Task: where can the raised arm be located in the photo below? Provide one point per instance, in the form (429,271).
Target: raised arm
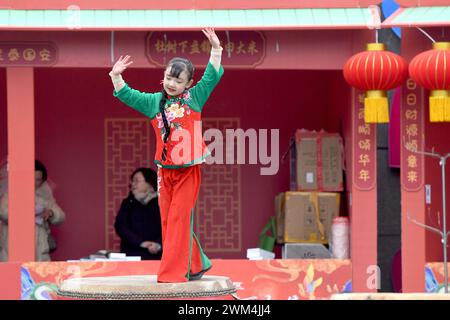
(216,50)
(146,103)
(213,72)
(116,72)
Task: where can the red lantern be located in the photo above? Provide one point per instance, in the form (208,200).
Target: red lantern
(431,70)
(375,71)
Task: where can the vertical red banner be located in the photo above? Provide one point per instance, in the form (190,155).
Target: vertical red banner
(365,150)
(412,138)
(412,180)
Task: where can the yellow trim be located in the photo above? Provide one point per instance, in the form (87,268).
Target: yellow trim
(375,47)
(441,46)
(375,94)
(440,93)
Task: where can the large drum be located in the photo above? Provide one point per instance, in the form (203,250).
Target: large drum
(145,287)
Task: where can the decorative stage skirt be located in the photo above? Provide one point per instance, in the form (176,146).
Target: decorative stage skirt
(390,296)
(145,287)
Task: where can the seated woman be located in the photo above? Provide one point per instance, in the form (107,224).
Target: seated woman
(47,212)
(138,222)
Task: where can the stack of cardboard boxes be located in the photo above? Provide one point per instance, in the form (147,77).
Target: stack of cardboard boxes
(305,214)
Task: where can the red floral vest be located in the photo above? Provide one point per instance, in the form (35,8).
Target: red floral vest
(185,146)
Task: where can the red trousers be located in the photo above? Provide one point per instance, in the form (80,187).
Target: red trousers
(182,254)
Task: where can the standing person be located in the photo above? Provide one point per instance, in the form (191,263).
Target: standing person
(176,112)
(47,212)
(138,222)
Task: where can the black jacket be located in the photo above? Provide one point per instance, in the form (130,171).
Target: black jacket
(136,223)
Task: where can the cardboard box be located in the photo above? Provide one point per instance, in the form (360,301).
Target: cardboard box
(307,164)
(305,251)
(308,216)
(331,162)
(316,161)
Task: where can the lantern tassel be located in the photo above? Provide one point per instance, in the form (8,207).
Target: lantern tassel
(376,107)
(439,106)
(437,109)
(447,109)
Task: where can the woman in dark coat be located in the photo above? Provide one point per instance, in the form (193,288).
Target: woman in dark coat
(138,222)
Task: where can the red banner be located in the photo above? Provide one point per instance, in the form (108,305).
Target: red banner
(27,54)
(412,136)
(365,146)
(240,49)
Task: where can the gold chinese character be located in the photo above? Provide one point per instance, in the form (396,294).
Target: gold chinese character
(412,176)
(183,45)
(364,175)
(411,145)
(194,47)
(411,99)
(29,54)
(229,47)
(411,130)
(364,159)
(252,48)
(364,144)
(160,46)
(364,129)
(205,46)
(171,46)
(410,84)
(412,161)
(45,55)
(361,98)
(361,113)
(411,114)
(240,48)
(1,54)
(13,54)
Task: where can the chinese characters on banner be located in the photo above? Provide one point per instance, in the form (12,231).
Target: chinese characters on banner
(412,137)
(243,48)
(27,54)
(365,148)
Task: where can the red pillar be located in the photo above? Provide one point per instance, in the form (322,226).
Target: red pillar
(363,206)
(20,100)
(413,195)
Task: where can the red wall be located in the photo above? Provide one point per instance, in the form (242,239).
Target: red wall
(414,42)
(339,119)
(436,138)
(71,105)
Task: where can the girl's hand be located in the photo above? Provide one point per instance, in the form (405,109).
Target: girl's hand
(212,37)
(121,65)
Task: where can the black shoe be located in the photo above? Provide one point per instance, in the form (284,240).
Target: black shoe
(198,275)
